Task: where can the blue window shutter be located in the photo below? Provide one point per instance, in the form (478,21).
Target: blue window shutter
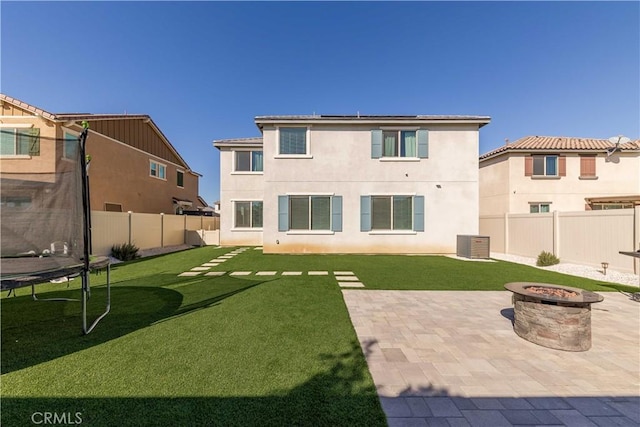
(423,143)
(283,213)
(336,213)
(365,213)
(376,143)
(418,213)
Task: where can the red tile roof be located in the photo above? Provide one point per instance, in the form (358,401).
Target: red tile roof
(560,143)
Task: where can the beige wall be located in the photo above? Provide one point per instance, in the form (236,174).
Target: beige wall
(120,174)
(504,187)
(50,150)
(146,231)
(587,238)
(340,164)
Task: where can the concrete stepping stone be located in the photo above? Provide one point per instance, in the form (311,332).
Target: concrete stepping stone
(292,273)
(226,256)
(347,279)
(210,264)
(200,268)
(266,273)
(259,248)
(318,273)
(218,260)
(215,273)
(343,273)
(351,284)
(189,273)
(239,273)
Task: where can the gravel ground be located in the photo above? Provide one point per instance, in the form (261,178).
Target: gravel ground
(576,270)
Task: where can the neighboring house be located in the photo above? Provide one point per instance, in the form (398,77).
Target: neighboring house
(133,165)
(351,184)
(544,174)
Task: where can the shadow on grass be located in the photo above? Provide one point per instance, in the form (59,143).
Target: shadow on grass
(341,395)
(34,332)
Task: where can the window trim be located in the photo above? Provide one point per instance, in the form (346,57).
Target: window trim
(152,162)
(234,163)
(335,214)
(306,155)
(66,131)
(539,204)
(179,171)
(250,201)
(544,163)
(16,127)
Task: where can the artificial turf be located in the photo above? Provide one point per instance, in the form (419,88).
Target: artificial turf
(228,350)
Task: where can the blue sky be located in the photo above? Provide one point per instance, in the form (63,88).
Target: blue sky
(204,70)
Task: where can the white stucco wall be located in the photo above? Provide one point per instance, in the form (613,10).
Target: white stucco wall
(237,186)
(340,163)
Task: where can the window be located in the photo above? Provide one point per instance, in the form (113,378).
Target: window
(20,142)
(392,213)
(545,165)
(311,213)
(180,178)
(248,161)
(539,207)
(399,143)
(113,207)
(248,214)
(588,167)
(157,170)
(18,202)
(607,206)
(293,141)
(70,148)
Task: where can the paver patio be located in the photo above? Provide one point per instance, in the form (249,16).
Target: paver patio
(452,358)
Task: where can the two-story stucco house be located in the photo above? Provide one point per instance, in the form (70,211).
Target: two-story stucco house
(133,165)
(351,184)
(544,174)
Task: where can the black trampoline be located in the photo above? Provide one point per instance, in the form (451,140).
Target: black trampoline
(45,224)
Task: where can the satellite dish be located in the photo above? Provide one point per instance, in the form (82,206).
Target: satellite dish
(619,139)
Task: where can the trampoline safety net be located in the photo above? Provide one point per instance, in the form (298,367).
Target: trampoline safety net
(41,205)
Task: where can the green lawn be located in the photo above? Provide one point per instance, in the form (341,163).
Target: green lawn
(243,350)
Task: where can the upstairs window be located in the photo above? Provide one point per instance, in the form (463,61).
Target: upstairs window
(20,141)
(157,170)
(293,141)
(70,148)
(588,166)
(545,166)
(248,161)
(180,179)
(398,144)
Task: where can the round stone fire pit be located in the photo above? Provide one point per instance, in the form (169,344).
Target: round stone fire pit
(553,316)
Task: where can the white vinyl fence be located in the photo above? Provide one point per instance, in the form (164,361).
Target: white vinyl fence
(587,238)
(148,231)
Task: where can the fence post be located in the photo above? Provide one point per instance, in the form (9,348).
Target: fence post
(130,213)
(556,233)
(506,233)
(161,229)
(636,237)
